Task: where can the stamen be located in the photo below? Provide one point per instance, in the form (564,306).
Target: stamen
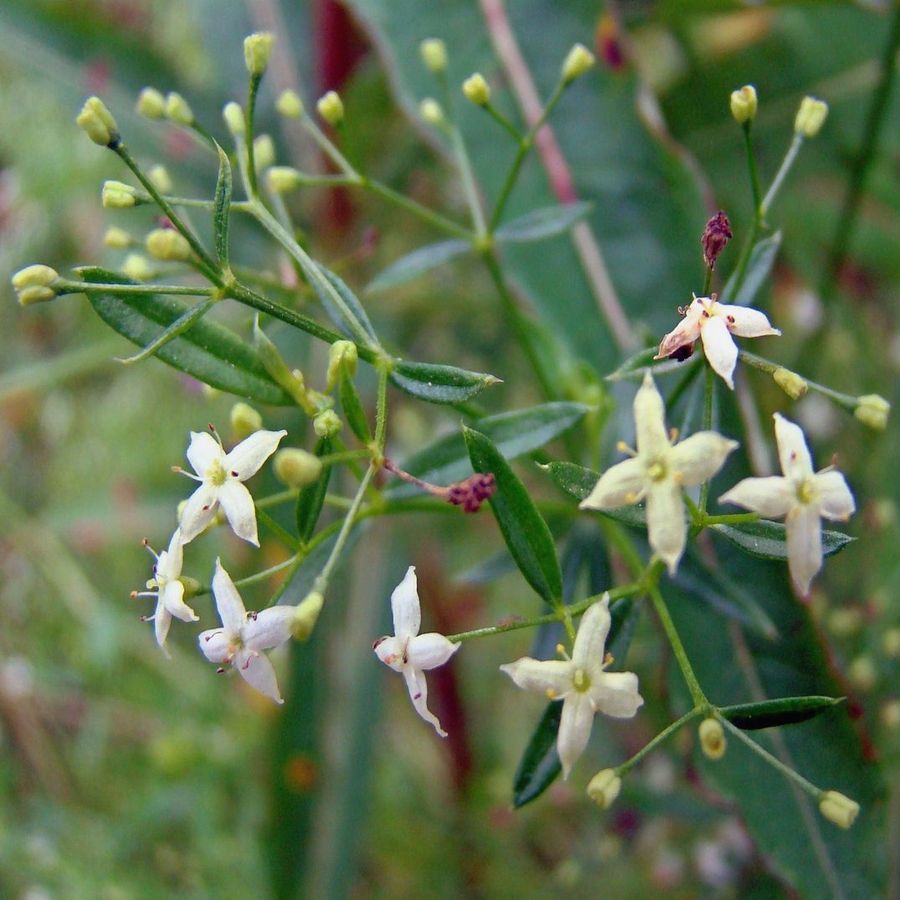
(551,694)
(622,447)
(220,670)
(673,434)
(234,474)
(145,543)
(215,434)
(179,471)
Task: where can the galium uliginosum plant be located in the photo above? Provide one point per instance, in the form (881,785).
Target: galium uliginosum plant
(661,487)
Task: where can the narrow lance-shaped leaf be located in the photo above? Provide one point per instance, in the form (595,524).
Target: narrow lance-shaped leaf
(579,482)
(540,224)
(420,261)
(783,711)
(768,540)
(539,766)
(222,207)
(312,497)
(353,409)
(759,267)
(437,383)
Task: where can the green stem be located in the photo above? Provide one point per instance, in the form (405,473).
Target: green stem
(330,150)
(468,180)
(84,287)
(287,539)
(751,164)
(664,735)
(780,175)
(504,123)
(417,209)
(764,365)
(252,89)
(708,395)
(381,410)
(659,604)
(182,324)
(730,519)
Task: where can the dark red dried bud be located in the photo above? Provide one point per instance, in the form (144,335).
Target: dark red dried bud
(715,236)
(608,42)
(680,354)
(472,492)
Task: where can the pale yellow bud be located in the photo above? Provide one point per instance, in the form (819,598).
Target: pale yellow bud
(234,118)
(327,423)
(295,467)
(331,108)
(810,117)
(283,179)
(712,738)
(844,622)
(257,50)
(137,267)
(794,385)
(476,90)
(289,104)
(744,104)
(37,275)
(245,420)
(863,674)
(30,295)
(342,357)
(168,244)
(434,54)
(578,61)
(604,787)
(838,808)
(431,111)
(263,152)
(890,643)
(117,238)
(307,615)
(151,103)
(178,110)
(161,179)
(97,122)
(890,714)
(118,195)
(872,410)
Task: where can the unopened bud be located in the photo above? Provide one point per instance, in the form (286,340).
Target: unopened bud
(234,118)
(712,738)
(863,674)
(604,787)
(178,110)
(476,90)
(257,50)
(890,643)
(331,108)
(434,54)
(578,61)
(263,152)
(168,244)
(472,491)
(137,267)
(431,111)
(307,615)
(283,179)
(296,468)
(715,237)
(117,238)
(872,410)
(151,103)
(118,195)
(33,284)
(97,123)
(245,420)
(845,621)
(744,104)
(810,117)
(342,357)
(289,104)
(838,808)
(794,385)
(161,179)
(327,423)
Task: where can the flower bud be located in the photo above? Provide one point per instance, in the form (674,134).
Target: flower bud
(327,423)
(289,104)
(168,244)
(794,385)
(283,179)
(177,109)
(431,111)
(159,175)
(118,195)
(715,237)
(234,118)
(296,468)
(890,643)
(97,123)
(117,238)
(306,615)
(810,117)
(743,104)
(578,61)
(863,674)
(838,808)
(245,420)
(34,284)
(872,410)
(342,357)
(434,54)
(263,152)
(192,587)
(151,104)
(137,268)
(604,787)
(331,108)
(257,50)
(476,90)
(712,738)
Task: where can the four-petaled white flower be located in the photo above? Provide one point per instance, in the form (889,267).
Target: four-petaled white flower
(166,586)
(802,496)
(221,475)
(244,635)
(658,472)
(409,652)
(581,683)
(715,323)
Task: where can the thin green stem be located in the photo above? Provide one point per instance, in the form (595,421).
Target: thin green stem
(504,123)
(417,209)
(780,175)
(687,671)
(286,538)
(764,365)
(730,519)
(381,410)
(182,324)
(85,287)
(707,282)
(252,90)
(328,147)
(664,735)
(751,164)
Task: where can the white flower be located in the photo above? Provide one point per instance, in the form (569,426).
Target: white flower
(221,474)
(168,589)
(802,496)
(715,322)
(581,683)
(244,634)
(658,472)
(409,652)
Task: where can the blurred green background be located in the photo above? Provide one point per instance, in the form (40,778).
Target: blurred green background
(127,775)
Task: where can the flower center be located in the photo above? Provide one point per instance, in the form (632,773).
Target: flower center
(581,681)
(216,474)
(805,491)
(656,471)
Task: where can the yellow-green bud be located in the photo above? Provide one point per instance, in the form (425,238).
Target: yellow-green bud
(177,109)
(234,118)
(151,103)
(37,275)
(283,179)
(872,410)
(263,152)
(118,195)
(604,787)
(845,621)
(137,267)
(168,244)
(862,674)
(161,179)
(890,643)
(476,89)
(578,61)
(810,117)
(306,615)
(296,468)
(97,122)
(431,111)
(245,420)
(289,104)
(327,423)
(342,357)
(331,108)
(434,54)
(117,238)
(192,587)
(28,296)
(744,104)
(838,808)
(712,738)
(794,385)
(257,50)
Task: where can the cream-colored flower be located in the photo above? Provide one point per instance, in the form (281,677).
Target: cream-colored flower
(658,472)
(802,496)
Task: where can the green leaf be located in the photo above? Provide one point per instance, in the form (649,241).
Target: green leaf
(209,352)
(312,497)
(768,539)
(513,433)
(539,766)
(540,224)
(526,533)
(334,284)
(635,363)
(353,409)
(417,263)
(439,384)
(579,482)
(759,267)
(222,207)
(772,713)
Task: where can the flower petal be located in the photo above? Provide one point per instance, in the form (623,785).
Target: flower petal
(719,348)
(392,652)
(170,562)
(796,463)
(591,638)
(271,628)
(237,504)
(685,332)
(699,456)
(215,645)
(162,620)
(771,497)
(405,606)
(172,598)
(203,451)
(666,527)
(418,693)
(247,457)
(650,420)
(552,677)
(430,650)
(574,729)
(834,497)
(198,511)
(228,601)
(620,485)
(804,545)
(616,694)
(258,672)
(745,322)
